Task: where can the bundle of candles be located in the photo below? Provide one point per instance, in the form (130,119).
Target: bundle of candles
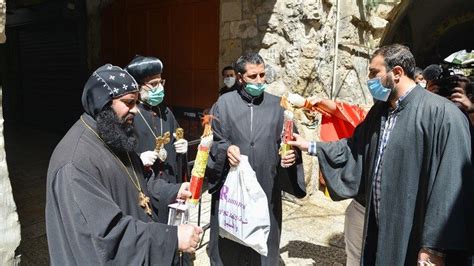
(288,124)
(199,168)
(287,134)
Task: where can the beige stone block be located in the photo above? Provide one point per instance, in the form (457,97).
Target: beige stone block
(230,50)
(225,31)
(3,6)
(262,21)
(350,8)
(377,22)
(277,88)
(310,50)
(273,54)
(294,30)
(273,22)
(306,67)
(270,39)
(243,29)
(383,10)
(231,11)
(257,6)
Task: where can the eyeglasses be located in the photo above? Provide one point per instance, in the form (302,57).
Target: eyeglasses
(155,83)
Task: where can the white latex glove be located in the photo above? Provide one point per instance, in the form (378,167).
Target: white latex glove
(148,157)
(296,99)
(181,146)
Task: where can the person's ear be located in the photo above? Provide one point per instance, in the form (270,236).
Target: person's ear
(240,77)
(398,72)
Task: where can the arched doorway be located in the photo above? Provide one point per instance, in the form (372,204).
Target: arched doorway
(432,32)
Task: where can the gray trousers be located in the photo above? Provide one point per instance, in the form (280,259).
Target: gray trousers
(353,231)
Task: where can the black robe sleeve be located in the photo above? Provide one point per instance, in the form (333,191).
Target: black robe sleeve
(341,165)
(217,165)
(162,194)
(182,172)
(89,210)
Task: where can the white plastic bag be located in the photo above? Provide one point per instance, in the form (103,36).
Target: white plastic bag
(243,208)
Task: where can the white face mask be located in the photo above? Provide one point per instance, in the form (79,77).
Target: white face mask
(422,84)
(229,82)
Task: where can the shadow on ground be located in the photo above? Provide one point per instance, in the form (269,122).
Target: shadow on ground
(28,151)
(320,255)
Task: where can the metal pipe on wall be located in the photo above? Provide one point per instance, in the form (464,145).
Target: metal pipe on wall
(336,48)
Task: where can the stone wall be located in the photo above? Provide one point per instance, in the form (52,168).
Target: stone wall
(296,39)
(9,223)
(3,8)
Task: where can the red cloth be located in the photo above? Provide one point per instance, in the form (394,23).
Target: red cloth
(339,125)
(342,123)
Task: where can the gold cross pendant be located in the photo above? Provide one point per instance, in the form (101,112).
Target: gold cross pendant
(162,140)
(144,202)
(179,133)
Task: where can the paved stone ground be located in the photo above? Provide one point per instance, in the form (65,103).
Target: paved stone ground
(312,229)
(311,235)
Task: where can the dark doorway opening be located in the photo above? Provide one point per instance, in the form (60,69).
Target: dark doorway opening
(42,72)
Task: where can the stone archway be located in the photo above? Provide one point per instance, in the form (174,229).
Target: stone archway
(432,33)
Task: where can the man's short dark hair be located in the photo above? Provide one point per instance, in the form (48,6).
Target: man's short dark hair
(432,72)
(227,68)
(418,71)
(397,55)
(248,58)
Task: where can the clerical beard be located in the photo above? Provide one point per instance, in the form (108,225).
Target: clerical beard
(144,95)
(115,132)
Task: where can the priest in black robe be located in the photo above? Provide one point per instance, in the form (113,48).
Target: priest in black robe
(249,121)
(100,208)
(155,120)
(410,163)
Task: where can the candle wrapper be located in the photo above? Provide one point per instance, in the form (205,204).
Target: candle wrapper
(287,133)
(200,163)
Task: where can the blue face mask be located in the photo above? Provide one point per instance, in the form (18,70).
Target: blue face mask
(155,95)
(255,89)
(378,91)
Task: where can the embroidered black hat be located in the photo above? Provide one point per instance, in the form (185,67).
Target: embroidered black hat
(105,84)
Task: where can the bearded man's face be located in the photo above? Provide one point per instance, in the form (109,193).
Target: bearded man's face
(118,133)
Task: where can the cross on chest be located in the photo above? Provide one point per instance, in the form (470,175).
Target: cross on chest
(162,140)
(144,202)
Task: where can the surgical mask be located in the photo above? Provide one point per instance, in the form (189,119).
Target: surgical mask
(255,89)
(155,95)
(422,84)
(378,91)
(229,82)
